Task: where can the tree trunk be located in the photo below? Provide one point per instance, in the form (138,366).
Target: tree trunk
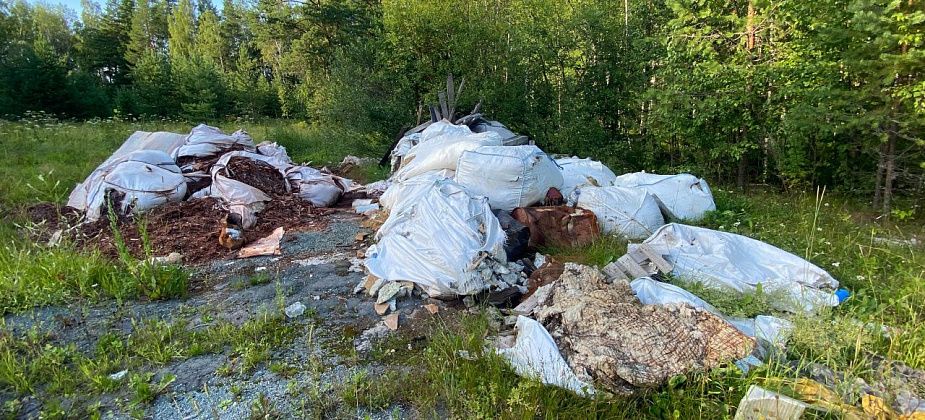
(889,172)
(741,176)
(878,183)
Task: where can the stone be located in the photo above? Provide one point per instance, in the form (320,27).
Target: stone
(118,376)
(295,310)
(391,321)
(382,308)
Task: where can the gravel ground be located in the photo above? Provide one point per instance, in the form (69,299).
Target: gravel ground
(318,269)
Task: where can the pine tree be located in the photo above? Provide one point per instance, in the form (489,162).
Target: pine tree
(209,41)
(141,36)
(181,27)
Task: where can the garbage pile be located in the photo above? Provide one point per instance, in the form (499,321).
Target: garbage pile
(469,203)
(206,184)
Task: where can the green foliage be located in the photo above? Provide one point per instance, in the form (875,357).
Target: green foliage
(797,94)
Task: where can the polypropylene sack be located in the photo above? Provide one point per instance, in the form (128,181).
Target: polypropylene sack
(435,240)
(738,263)
(316,187)
(146,178)
(535,355)
(139,140)
(241,198)
(440,147)
(629,212)
(510,176)
(204,141)
(401,192)
(682,197)
(578,173)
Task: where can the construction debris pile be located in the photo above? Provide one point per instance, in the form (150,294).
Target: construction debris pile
(468,204)
(205,195)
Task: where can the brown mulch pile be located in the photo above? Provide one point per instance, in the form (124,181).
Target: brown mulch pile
(52,216)
(258,174)
(192,227)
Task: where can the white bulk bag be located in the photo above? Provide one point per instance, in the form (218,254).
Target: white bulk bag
(577,173)
(434,241)
(629,212)
(682,197)
(409,190)
(241,198)
(276,151)
(440,146)
(147,178)
(204,141)
(510,176)
(316,187)
(139,140)
(738,263)
(535,355)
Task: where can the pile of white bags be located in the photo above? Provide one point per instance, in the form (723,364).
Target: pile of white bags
(139,169)
(629,212)
(145,171)
(682,196)
(739,264)
(578,173)
(440,146)
(434,239)
(510,176)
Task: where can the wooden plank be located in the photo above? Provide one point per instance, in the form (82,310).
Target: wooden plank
(450,96)
(663,265)
(614,271)
(631,267)
(444,109)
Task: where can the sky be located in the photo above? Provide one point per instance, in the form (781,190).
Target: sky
(74,5)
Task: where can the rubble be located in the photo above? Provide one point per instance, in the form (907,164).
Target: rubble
(608,337)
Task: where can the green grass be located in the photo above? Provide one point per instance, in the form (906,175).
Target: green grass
(46,158)
(33,363)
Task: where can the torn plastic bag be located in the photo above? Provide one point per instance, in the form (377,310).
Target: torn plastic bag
(768,328)
(139,140)
(436,240)
(578,173)
(408,191)
(314,186)
(535,355)
(205,141)
(510,176)
(141,180)
(630,212)
(738,263)
(681,197)
(440,147)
